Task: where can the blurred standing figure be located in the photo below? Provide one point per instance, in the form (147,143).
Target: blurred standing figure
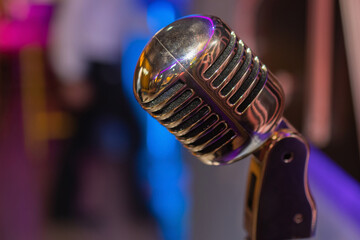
(87,37)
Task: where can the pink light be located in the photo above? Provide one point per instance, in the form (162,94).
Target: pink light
(32,29)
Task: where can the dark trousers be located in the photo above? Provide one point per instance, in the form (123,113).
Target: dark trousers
(109,104)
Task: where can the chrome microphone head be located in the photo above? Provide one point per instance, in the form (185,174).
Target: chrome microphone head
(207,88)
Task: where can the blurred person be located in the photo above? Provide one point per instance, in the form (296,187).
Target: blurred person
(87,37)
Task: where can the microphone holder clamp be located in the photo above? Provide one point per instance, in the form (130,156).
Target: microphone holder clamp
(279,204)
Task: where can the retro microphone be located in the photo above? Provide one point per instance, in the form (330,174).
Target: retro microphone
(200,81)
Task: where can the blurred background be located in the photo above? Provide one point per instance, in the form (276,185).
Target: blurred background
(79,159)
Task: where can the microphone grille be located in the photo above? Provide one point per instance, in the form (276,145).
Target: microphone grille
(237,75)
(193,122)
(208,88)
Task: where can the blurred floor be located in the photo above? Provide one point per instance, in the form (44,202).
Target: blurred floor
(105,211)
(218,195)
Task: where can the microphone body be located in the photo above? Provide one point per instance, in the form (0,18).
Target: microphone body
(209,89)
(200,81)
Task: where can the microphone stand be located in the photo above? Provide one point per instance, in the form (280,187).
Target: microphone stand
(278,202)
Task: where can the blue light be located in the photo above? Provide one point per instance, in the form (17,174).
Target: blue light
(161,169)
(130,56)
(160,143)
(159,15)
(160,165)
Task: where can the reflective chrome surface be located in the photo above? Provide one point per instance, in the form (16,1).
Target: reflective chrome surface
(206,86)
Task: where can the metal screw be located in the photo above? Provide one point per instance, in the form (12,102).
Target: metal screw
(298,218)
(288,157)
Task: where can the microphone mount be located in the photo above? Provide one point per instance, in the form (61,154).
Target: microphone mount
(278,201)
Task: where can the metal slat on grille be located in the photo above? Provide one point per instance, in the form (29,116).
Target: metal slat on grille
(221,59)
(259,85)
(239,74)
(173,105)
(219,143)
(207,136)
(183,112)
(238,57)
(191,121)
(200,128)
(251,78)
(165,95)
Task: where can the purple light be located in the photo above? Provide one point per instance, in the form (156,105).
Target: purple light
(212,29)
(165,70)
(335,184)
